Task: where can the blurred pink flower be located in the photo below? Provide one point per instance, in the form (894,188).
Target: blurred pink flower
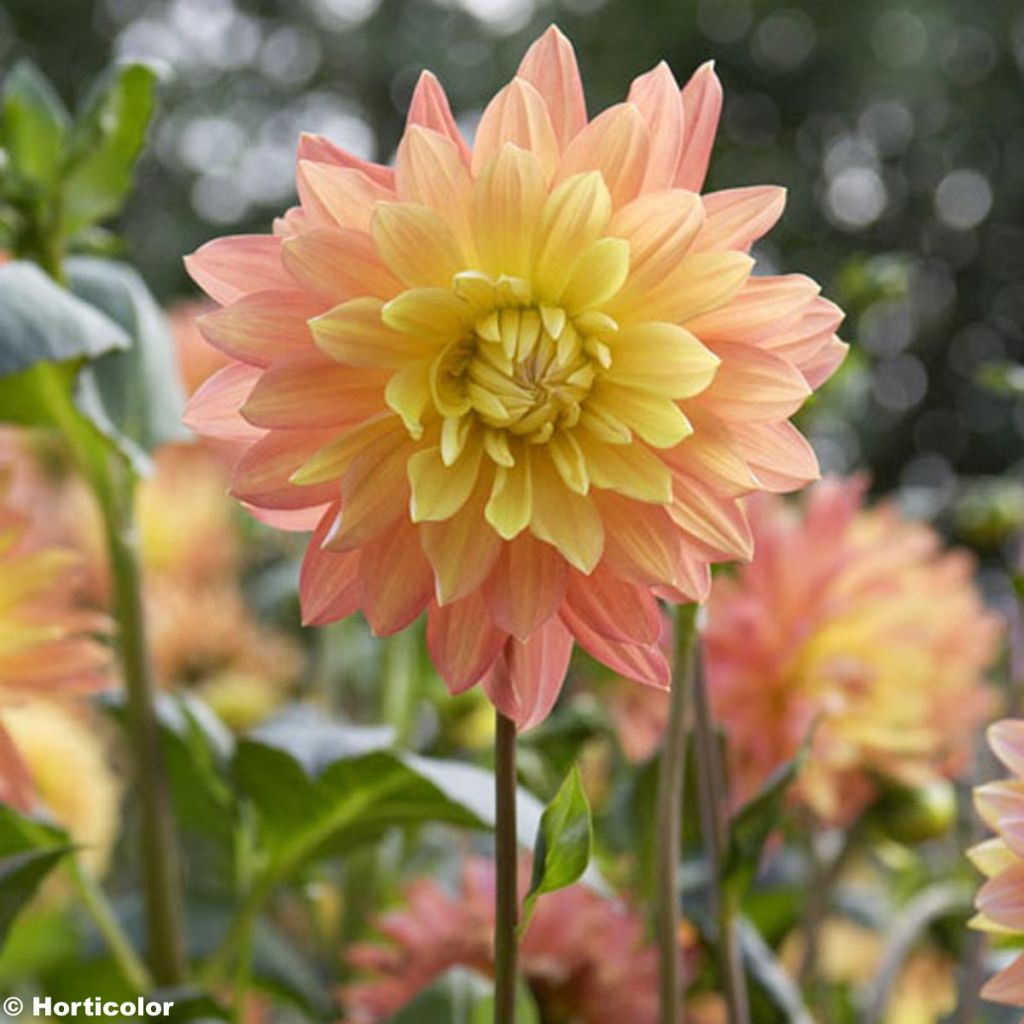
(584,956)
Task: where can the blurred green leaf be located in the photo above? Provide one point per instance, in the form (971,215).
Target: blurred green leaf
(105,143)
(1005,379)
(35,123)
(138,388)
(755,822)
(40,322)
(562,848)
(29,850)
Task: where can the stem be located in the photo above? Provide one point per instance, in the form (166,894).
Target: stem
(715,826)
(95,902)
(670,819)
(159,850)
(399,657)
(506,901)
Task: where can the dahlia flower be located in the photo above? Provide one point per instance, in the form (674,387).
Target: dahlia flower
(584,956)
(45,644)
(854,619)
(1001,859)
(519,385)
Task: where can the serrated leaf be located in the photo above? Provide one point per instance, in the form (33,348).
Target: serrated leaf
(40,322)
(35,123)
(562,848)
(139,388)
(29,850)
(106,143)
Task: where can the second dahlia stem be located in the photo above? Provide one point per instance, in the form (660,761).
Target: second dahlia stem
(506,891)
(715,826)
(670,820)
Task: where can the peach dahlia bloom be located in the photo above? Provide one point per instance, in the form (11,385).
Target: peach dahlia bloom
(855,619)
(1001,859)
(519,385)
(584,956)
(46,646)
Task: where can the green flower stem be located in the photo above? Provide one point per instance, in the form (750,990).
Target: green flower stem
(400,654)
(670,815)
(506,893)
(95,902)
(715,826)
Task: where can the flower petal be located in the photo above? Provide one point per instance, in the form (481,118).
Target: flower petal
(657,419)
(463,641)
(632,470)
(735,218)
(761,308)
(355,334)
(230,267)
(643,663)
(339,196)
(260,326)
(214,409)
(438,490)
(753,386)
(510,504)
(702,106)
(339,264)
(430,171)
(550,66)
(517,115)
(613,607)
(526,586)
(563,518)
(598,274)
(778,454)
(417,245)
(263,475)
(329,581)
(429,108)
(656,96)
(664,359)
(395,579)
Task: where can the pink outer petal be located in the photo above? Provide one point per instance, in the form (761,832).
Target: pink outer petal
(1002,898)
(1006,738)
(644,663)
(396,580)
(16,789)
(463,641)
(526,679)
(550,67)
(291,520)
(526,586)
(702,106)
(322,150)
(1007,987)
(262,475)
(328,582)
(656,95)
(230,267)
(737,217)
(612,607)
(779,455)
(213,410)
(429,107)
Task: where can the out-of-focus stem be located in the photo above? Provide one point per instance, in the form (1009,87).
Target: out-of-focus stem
(158,840)
(669,823)
(399,663)
(95,902)
(506,893)
(715,826)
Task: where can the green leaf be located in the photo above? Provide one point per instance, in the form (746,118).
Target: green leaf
(40,322)
(755,822)
(29,850)
(35,123)
(562,849)
(138,389)
(106,143)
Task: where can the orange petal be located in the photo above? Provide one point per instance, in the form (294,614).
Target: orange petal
(430,171)
(753,386)
(396,580)
(1007,987)
(763,306)
(213,410)
(517,115)
(339,196)
(417,245)
(263,474)
(329,581)
(643,663)
(507,202)
(230,267)
(656,96)
(462,549)
(642,545)
(1002,898)
(702,106)
(550,66)
(614,143)
(355,334)
(526,679)
(713,456)
(1006,738)
(613,607)
(526,586)
(717,524)
(261,326)
(735,218)
(308,390)
(339,264)
(463,642)
(824,363)
(322,151)
(429,108)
